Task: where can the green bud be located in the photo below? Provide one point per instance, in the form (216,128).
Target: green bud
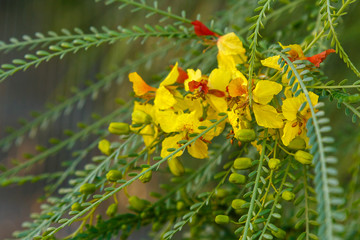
(147,176)
(242,163)
(76,207)
(221,193)
(176,167)
(281,234)
(222,219)
(288,196)
(274,163)
(245,135)
(237,178)
(138,204)
(237,203)
(119,128)
(87,188)
(111,210)
(303,157)
(104,147)
(113,175)
(297,143)
(180,205)
(139,116)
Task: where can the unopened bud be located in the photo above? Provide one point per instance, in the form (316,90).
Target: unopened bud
(222,219)
(104,147)
(274,164)
(138,204)
(111,210)
(147,176)
(281,234)
(176,167)
(221,193)
(87,188)
(237,178)
(303,157)
(237,203)
(297,143)
(288,196)
(245,135)
(76,207)
(242,163)
(119,128)
(113,175)
(141,117)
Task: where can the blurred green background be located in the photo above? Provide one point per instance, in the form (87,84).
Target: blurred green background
(53,80)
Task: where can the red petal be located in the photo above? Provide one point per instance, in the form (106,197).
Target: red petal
(193,85)
(182,75)
(320,57)
(217,93)
(201,30)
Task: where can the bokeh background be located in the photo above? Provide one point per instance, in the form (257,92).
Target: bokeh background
(52,81)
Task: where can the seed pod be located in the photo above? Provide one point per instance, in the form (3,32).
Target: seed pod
(281,234)
(147,176)
(87,188)
(237,178)
(297,143)
(287,195)
(76,207)
(138,204)
(222,219)
(111,210)
(140,117)
(245,135)
(274,163)
(113,175)
(119,128)
(242,163)
(237,203)
(303,157)
(104,147)
(176,167)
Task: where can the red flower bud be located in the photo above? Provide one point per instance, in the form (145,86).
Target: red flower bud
(320,57)
(201,30)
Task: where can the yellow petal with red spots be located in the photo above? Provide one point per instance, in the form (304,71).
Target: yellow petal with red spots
(291,130)
(171,142)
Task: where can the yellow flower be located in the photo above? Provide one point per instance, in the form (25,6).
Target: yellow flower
(266,115)
(296,120)
(231,51)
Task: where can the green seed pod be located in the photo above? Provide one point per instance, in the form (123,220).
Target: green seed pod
(303,157)
(119,128)
(111,210)
(237,203)
(281,234)
(104,147)
(180,205)
(245,135)
(141,117)
(147,176)
(274,163)
(87,188)
(138,204)
(76,207)
(242,163)
(176,167)
(222,219)
(113,175)
(237,178)
(287,195)
(297,143)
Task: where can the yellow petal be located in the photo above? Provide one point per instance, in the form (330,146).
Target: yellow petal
(295,51)
(219,78)
(290,132)
(271,62)
(146,108)
(164,99)
(218,103)
(265,91)
(166,120)
(314,100)
(171,142)
(172,77)
(291,106)
(139,85)
(230,44)
(267,116)
(198,149)
(226,62)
